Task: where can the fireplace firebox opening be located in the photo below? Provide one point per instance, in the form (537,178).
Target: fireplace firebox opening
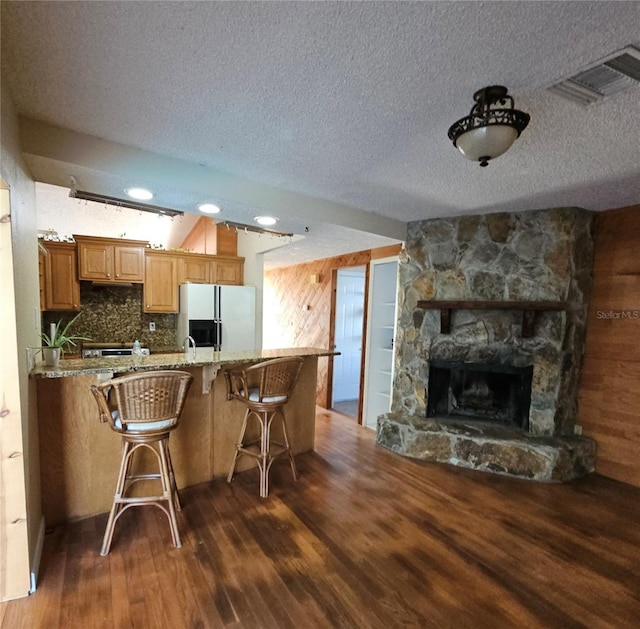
(480,392)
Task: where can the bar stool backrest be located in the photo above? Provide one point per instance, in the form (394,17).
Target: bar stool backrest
(149,402)
(269,383)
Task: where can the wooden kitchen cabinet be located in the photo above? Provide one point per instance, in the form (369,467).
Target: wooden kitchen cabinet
(197,268)
(111,259)
(42,278)
(160,291)
(60,288)
(227,270)
(194,269)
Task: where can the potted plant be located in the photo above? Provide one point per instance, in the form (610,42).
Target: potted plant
(59,339)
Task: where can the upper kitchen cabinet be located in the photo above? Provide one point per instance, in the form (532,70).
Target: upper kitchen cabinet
(160,293)
(59,285)
(194,269)
(227,270)
(111,259)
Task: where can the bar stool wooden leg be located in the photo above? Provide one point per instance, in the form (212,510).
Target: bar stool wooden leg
(116,508)
(167,491)
(265,463)
(238,446)
(174,487)
(286,443)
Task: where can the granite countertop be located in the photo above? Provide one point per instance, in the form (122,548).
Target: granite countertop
(204,356)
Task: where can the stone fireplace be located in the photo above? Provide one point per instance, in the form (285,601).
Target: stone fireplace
(489,343)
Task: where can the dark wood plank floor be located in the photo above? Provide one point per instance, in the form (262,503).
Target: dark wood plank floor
(364,539)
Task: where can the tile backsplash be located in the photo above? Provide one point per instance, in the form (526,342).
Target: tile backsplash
(113,314)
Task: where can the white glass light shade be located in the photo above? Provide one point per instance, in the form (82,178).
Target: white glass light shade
(140,194)
(209,208)
(265,220)
(489,142)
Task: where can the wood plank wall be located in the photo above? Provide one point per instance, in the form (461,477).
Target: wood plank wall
(609,396)
(288,290)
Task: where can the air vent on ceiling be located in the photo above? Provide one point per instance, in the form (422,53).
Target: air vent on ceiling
(614,74)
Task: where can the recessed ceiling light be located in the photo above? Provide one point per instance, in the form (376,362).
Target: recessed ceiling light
(141,194)
(265,220)
(209,208)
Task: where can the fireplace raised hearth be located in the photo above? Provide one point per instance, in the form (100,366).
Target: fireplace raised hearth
(500,394)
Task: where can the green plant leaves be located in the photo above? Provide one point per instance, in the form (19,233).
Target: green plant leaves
(61,337)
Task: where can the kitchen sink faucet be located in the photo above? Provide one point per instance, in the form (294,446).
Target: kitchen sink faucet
(189,340)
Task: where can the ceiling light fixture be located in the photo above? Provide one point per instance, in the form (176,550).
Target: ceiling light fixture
(256,230)
(142,207)
(140,194)
(265,220)
(209,208)
(491,128)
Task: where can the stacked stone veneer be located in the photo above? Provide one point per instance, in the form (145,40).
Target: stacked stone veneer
(541,255)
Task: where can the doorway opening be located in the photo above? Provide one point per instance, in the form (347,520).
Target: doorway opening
(348,340)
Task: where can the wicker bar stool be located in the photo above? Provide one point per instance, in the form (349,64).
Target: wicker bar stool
(264,388)
(144,408)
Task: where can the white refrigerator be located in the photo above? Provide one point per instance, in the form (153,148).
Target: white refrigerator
(221,317)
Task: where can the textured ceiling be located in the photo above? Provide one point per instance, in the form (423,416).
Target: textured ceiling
(329,114)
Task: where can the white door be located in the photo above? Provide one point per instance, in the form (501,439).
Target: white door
(381,325)
(348,333)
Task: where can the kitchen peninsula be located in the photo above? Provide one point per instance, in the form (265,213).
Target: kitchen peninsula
(79,456)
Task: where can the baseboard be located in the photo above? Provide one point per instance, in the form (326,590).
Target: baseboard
(37,556)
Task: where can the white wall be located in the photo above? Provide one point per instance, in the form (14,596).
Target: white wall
(252,247)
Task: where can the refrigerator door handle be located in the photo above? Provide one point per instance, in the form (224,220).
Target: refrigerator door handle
(218,316)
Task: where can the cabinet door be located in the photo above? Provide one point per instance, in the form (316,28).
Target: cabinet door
(129,264)
(62,288)
(226,241)
(96,261)
(194,270)
(42,276)
(160,292)
(228,272)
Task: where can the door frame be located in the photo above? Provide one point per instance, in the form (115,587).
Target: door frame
(366,373)
(332,333)
(15,572)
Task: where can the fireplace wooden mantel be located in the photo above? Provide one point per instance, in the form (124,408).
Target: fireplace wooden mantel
(529,310)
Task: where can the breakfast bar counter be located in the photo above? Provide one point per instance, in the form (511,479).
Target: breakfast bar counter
(79,456)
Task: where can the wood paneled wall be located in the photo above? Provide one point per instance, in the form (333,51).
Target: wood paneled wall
(609,397)
(297,306)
